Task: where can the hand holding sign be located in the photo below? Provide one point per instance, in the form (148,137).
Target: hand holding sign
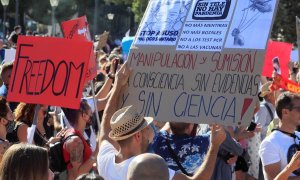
(123,74)
(218,135)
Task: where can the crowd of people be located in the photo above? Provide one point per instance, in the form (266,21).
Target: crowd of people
(127,145)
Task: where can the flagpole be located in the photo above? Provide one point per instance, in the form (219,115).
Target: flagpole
(30,134)
(95,105)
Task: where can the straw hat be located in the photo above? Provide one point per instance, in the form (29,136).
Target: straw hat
(126,122)
(265,89)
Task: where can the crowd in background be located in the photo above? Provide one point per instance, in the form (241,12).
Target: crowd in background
(127,145)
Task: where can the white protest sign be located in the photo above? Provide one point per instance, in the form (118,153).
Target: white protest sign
(9,55)
(199,61)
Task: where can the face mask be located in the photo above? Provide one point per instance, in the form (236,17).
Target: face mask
(10,126)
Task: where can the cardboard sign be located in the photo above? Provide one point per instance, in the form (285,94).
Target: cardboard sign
(199,61)
(78,29)
(298,34)
(49,71)
(102,40)
(277,58)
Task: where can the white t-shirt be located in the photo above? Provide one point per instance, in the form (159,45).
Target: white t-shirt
(277,148)
(107,167)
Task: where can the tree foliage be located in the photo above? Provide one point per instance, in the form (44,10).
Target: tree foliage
(138,8)
(284,28)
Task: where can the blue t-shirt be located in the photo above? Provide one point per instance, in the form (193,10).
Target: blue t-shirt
(191,151)
(3,91)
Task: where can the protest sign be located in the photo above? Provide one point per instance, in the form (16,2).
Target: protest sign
(199,61)
(9,55)
(277,58)
(298,34)
(78,29)
(102,40)
(49,71)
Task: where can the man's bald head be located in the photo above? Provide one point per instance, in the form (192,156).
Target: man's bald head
(148,166)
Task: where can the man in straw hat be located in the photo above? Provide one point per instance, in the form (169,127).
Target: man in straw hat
(267,109)
(125,134)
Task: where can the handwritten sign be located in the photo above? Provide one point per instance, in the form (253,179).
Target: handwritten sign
(188,68)
(102,40)
(277,57)
(42,74)
(298,34)
(78,29)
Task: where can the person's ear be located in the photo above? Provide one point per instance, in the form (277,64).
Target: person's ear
(285,112)
(86,117)
(2,120)
(138,136)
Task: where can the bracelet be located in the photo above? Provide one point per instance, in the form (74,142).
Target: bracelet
(111,76)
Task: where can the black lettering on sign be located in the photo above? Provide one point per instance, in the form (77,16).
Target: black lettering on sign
(73,30)
(40,76)
(211,9)
(18,60)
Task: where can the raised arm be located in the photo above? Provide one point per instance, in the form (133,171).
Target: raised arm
(102,94)
(112,105)
(206,170)
(22,133)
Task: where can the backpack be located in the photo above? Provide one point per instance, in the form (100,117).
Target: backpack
(56,156)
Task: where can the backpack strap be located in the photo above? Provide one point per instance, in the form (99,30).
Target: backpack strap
(270,111)
(175,158)
(65,139)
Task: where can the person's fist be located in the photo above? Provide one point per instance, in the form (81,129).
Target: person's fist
(123,75)
(218,135)
(295,162)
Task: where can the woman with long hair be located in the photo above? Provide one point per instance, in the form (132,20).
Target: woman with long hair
(24,119)
(23,162)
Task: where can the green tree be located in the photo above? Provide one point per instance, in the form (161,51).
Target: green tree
(284,28)
(138,7)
